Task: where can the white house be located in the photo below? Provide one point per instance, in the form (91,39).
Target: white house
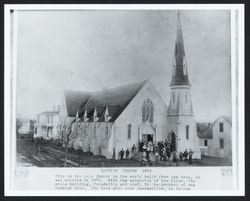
(204,132)
(216,138)
(221,145)
(48,125)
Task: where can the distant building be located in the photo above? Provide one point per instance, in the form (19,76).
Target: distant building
(48,125)
(216,137)
(26,126)
(204,132)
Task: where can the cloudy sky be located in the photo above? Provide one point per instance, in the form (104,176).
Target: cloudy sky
(91,50)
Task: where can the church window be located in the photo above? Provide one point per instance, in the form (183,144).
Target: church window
(221,127)
(187,132)
(205,143)
(129,131)
(148,111)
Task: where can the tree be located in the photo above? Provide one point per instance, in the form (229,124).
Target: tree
(66,138)
(19,123)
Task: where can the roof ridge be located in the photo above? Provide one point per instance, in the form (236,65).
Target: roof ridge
(68,90)
(126,85)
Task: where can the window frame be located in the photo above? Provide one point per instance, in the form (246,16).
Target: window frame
(148,111)
(221,127)
(129,131)
(222,143)
(187,132)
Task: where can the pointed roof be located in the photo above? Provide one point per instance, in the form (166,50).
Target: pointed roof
(227,118)
(180,74)
(74,99)
(116,99)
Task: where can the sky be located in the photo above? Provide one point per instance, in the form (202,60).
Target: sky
(91,50)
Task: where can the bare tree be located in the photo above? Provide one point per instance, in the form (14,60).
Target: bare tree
(66,138)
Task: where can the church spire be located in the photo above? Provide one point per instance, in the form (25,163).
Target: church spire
(180,74)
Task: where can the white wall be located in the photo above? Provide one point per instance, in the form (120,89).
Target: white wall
(203,148)
(214,148)
(181,115)
(43,124)
(91,136)
(133,115)
(178,124)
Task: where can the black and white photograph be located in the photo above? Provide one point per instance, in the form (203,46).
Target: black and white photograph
(123,88)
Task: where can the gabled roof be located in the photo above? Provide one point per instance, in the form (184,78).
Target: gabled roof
(227,118)
(74,99)
(204,130)
(116,99)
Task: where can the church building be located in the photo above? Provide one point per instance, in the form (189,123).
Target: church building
(118,118)
(107,121)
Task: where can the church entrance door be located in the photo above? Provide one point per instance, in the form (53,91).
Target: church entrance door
(173,142)
(147,137)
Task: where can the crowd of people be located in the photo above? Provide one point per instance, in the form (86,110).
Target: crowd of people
(157,151)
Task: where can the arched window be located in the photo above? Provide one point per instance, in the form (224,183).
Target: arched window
(148,111)
(187,132)
(129,131)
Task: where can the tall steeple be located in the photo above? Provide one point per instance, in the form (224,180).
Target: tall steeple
(181,120)
(180,74)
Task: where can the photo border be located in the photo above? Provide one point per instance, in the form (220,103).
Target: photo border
(235,83)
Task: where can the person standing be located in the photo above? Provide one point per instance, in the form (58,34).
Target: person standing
(133,149)
(127,153)
(180,156)
(190,156)
(185,154)
(174,157)
(122,153)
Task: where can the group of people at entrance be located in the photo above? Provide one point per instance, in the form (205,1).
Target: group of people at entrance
(162,151)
